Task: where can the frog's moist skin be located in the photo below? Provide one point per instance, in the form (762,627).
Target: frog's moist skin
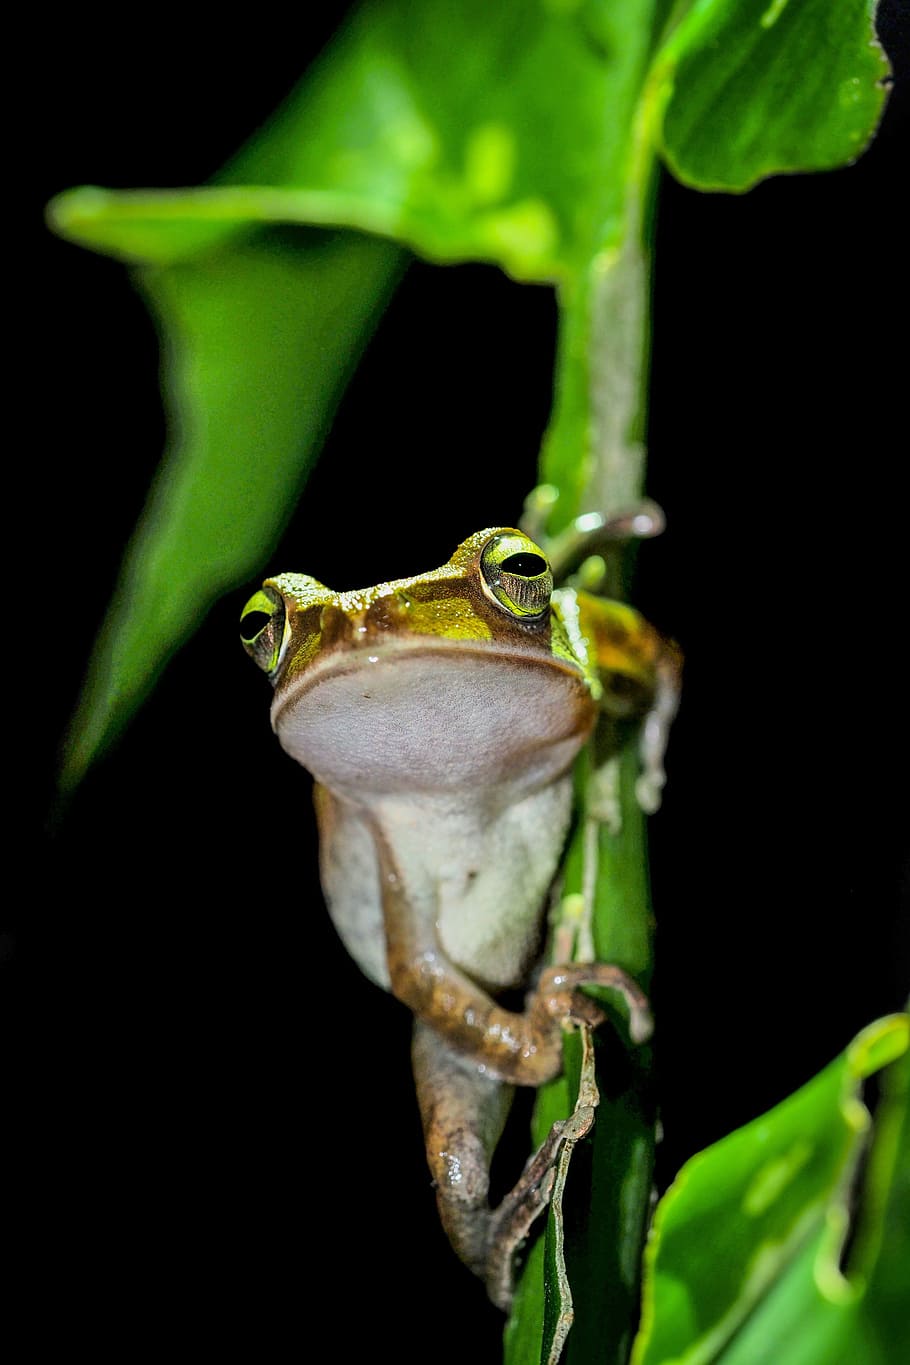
(440,716)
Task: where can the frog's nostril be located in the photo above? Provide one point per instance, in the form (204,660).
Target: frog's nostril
(389,611)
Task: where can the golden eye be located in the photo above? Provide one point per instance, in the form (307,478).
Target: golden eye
(264,628)
(516,575)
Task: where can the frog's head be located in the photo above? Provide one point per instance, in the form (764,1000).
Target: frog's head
(465,674)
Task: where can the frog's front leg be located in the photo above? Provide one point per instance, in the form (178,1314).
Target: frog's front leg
(520,1048)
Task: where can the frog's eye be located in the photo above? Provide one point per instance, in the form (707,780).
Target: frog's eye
(516,575)
(264,628)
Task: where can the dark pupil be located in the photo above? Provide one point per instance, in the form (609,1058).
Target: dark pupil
(253,623)
(524,565)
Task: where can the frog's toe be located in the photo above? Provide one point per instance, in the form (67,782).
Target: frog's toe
(558,982)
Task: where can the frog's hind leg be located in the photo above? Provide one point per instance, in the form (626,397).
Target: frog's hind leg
(464,1111)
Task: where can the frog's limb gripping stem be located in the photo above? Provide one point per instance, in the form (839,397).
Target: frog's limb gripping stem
(591,532)
(511,1221)
(558,992)
(655,730)
(464,1105)
(468,1050)
(463,1110)
(523,1049)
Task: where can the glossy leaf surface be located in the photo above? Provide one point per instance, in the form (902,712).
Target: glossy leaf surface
(744,1249)
(258,339)
(761,87)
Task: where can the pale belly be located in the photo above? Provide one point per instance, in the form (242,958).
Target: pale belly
(477,879)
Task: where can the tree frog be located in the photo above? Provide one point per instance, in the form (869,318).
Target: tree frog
(440,716)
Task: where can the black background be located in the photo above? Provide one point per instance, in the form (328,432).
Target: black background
(222,1095)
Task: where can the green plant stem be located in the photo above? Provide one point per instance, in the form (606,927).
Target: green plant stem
(601,403)
(594,449)
(601,369)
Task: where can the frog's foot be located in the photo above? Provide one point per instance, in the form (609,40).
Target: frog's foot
(511,1222)
(464,1109)
(464,1105)
(559,996)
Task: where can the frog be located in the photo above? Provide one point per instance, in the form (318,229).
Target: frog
(440,716)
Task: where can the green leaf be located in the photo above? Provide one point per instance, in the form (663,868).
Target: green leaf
(559,1299)
(819,1314)
(520,134)
(752,88)
(530,1325)
(742,1259)
(882,1251)
(463,130)
(738,90)
(544,1310)
(600,1228)
(258,340)
(608,863)
(612,1198)
(524,1332)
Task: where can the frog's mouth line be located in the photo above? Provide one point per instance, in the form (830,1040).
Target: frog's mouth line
(361,658)
(447,717)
